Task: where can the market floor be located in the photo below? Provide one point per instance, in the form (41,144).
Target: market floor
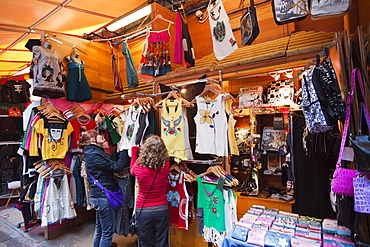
(82,236)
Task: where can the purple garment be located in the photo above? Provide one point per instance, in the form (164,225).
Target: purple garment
(178,52)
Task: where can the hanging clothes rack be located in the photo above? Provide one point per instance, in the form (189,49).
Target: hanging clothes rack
(313,61)
(132,36)
(76,48)
(125,36)
(199,81)
(204,162)
(54,39)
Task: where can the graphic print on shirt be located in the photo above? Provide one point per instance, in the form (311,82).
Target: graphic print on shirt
(130,131)
(55,135)
(47,73)
(206,116)
(174,130)
(173,197)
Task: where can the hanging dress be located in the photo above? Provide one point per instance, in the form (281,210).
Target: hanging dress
(131,73)
(77,87)
(155,60)
(211,127)
(223,39)
(173,128)
(48,73)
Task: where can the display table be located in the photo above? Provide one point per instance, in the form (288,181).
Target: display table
(246,202)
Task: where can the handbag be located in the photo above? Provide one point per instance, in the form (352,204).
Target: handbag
(115,198)
(14,112)
(249,24)
(361,186)
(280,92)
(311,107)
(286,11)
(321,9)
(272,139)
(361,143)
(132,229)
(342,182)
(249,96)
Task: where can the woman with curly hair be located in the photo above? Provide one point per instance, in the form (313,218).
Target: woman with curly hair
(151,165)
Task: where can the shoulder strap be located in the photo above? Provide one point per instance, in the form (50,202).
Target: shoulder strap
(348,116)
(96,181)
(363,105)
(151,186)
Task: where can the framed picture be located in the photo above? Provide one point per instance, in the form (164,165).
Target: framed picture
(273,162)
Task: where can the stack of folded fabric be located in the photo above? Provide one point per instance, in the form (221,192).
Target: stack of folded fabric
(262,226)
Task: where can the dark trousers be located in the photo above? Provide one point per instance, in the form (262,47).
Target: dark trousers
(153,228)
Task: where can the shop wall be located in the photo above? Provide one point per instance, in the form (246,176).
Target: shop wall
(201,36)
(97,63)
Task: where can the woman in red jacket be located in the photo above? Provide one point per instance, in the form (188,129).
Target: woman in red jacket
(150,165)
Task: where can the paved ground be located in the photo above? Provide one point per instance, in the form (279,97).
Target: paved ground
(12,236)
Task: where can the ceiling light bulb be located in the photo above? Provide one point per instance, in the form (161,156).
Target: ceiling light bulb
(183,90)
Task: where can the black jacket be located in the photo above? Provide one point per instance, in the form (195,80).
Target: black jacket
(102,167)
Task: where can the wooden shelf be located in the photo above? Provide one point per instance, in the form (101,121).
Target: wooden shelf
(245,202)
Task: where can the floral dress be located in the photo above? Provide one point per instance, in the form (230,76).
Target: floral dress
(155,60)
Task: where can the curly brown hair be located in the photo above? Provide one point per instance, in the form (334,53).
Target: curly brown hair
(153,153)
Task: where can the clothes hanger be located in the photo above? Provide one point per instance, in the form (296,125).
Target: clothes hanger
(209,90)
(174,95)
(218,171)
(159,16)
(79,112)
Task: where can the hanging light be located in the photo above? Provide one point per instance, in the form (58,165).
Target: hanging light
(275,75)
(130,18)
(183,90)
(288,73)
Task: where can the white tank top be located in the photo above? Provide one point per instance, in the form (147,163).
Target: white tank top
(223,39)
(211,123)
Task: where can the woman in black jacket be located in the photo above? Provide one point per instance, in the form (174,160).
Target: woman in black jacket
(100,165)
